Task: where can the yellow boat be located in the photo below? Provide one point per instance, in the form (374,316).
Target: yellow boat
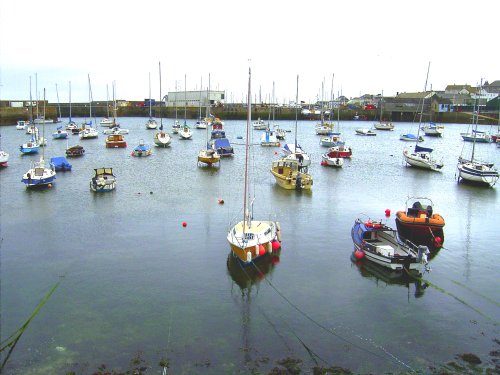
(288,176)
(208,157)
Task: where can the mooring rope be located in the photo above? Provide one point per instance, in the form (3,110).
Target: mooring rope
(393,357)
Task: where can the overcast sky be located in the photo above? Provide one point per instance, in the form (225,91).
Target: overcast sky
(370,46)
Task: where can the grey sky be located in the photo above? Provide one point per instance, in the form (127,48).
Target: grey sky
(370,46)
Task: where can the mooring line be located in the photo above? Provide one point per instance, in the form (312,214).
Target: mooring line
(477,293)
(393,357)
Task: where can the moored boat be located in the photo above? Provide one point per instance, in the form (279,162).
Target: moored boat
(103,181)
(420,224)
(142,149)
(60,164)
(75,151)
(476,136)
(39,174)
(60,133)
(411,137)
(380,244)
(288,175)
(384,125)
(116,141)
(433,130)
(269,139)
(365,131)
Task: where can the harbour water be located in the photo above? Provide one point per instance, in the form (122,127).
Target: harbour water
(135,282)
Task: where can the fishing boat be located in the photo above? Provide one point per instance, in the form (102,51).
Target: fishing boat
(142,149)
(420,224)
(60,133)
(251,239)
(380,244)
(280,133)
(218,140)
(116,141)
(365,131)
(421,157)
(259,124)
(331,140)
(60,164)
(30,147)
(289,175)
(269,139)
(75,151)
(433,130)
(330,159)
(103,181)
(116,130)
(161,138)
(473,170)
(22,125)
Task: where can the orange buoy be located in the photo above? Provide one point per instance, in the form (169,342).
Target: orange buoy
(262,250)
(387,213)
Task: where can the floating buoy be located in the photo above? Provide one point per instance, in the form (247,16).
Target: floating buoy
(358,254)
(220,200)
(438,242)
(150,192)
(324,163)
(262,250)
(275,152)
(49,186)
(387,212)
(275,245)
(184,224)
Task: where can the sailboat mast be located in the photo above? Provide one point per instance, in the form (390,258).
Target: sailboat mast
(58,102)
(161,99)
(69,101)
(296,110)
(149,94)
(185,100)
(249,115)
(477,121)
(273,103)
(90,100)
(201,88)
(423,100)
(31,107)
(107,101)
(331,100)
(43,126)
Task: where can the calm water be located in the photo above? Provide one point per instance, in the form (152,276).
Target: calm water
(136,281)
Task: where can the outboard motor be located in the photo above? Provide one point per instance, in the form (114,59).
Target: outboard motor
(298,182)
(422,254)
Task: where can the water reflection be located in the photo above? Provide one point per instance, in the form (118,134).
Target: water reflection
(383,277)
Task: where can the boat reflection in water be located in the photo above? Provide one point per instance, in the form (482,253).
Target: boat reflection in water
(245,276)
(384,277)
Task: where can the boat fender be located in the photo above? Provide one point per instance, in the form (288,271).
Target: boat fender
(262,250)
(358,254)
(249,256)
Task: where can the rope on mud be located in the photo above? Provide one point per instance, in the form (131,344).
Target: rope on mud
(393,357)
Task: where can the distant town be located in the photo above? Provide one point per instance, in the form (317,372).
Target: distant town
(454,104)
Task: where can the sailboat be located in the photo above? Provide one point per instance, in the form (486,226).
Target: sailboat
(185,132)
(323,128)
(176,126)
(208,155)
(60,133)
(161,138)
(383,125)
(475,170)
(71,126)
(107,122)
(270,137)
(39,174)
(202,123)
(251,239)
(32,146)
(151,123)
(89,132)
(293,151)
(290,172)
(421,157)
(4,156)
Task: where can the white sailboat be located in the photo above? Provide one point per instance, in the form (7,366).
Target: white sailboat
(381,124)
(4,156)
(151,123)
(161,138)
(88,131)
(251,239)
(185,132)
(107,122)
(474,170)
(39,174)
(421,157)
(202,122)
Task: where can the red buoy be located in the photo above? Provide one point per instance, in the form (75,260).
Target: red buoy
(358,254)
(262,250)
(387,213)
(275,152)
(275,245)
(221,201)
(184,224)
(438,242)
